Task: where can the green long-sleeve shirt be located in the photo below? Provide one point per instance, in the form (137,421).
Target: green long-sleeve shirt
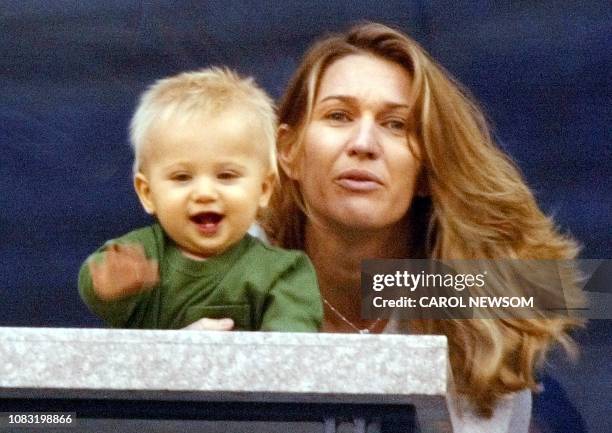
(259,286)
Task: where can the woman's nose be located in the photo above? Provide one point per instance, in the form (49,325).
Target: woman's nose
(364,142)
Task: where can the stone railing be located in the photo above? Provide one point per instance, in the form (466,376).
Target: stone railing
(190,381)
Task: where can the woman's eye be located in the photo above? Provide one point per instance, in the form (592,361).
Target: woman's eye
(396,124)
(338,116)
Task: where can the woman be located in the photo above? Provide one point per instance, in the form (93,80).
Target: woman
(383,155)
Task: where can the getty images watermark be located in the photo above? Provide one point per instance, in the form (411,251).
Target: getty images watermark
(466,289)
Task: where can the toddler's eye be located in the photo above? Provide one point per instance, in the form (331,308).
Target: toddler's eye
(180,177)
(228,175)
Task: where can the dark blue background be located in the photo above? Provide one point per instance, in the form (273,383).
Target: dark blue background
(70,74)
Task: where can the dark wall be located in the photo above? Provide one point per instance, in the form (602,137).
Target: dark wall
(71,73)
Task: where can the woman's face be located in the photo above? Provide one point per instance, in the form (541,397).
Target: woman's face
(357,170)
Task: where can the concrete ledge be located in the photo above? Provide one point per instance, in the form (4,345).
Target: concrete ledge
(232,366)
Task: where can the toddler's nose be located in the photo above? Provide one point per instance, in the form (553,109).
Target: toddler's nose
(204,190)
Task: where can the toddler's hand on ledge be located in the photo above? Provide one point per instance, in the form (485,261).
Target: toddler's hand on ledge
(124,271)
(206,324)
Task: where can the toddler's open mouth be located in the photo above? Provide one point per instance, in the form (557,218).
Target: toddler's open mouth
(207,222)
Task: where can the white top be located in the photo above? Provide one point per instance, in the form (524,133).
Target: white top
(511,415)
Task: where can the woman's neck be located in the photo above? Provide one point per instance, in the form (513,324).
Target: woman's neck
(337,257)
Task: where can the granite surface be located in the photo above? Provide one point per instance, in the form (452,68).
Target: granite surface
(281,364)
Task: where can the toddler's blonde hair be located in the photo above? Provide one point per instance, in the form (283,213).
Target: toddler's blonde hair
(207,91)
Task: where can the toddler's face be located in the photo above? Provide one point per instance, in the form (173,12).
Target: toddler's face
(205,179)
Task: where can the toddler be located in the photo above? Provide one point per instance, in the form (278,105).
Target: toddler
(205,163)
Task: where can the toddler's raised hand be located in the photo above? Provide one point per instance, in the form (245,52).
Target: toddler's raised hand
(124,271)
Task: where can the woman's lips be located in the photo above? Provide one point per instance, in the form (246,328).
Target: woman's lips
(208,223)
(358,180)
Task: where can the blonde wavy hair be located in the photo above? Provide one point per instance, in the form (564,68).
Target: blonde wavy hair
(478,207)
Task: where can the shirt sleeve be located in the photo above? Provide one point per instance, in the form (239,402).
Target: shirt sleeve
(294,303)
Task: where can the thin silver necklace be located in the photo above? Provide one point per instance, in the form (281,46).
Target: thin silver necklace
(348,322)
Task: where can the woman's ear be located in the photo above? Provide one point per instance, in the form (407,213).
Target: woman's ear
(422,184)
(141,185)
(286,152)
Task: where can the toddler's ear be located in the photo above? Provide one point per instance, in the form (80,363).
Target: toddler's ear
(286,151)
(267,187)
(141,185)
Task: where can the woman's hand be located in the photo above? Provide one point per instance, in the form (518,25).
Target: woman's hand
(206,324)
